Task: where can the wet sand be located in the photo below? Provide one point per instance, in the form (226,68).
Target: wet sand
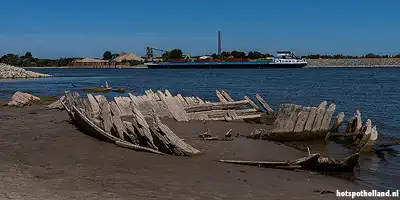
(43,156)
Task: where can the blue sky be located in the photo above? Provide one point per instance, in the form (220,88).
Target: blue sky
(87,28)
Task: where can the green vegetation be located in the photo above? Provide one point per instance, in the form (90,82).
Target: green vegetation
(109,56)
(173,54)
(28,60)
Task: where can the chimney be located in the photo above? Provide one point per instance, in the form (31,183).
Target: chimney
(219,44)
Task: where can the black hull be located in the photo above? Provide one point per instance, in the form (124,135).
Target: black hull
(224,66)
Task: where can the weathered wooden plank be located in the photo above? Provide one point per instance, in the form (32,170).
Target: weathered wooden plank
(232,114)
(179,102)
(217,106)
(351,125)
(319,116)
(252,104)
(105,114)
(264,104)
(131,132)
(366,135)
(326,121)
(180,147)
(338,122)
(222,113)
(161,95)
(119,126)
(220,97)
(140,118)
(123,106)
(287,117)
(82,121)
(359,121)
(134,99)
(94,105)
(198,116)
(168,94)
(200,100)
(196,102)
(115,109)
(227,96)
(370,143)
(189,101)
(176,111)
(302,119)
(182,100)
(311,119)
(136,147)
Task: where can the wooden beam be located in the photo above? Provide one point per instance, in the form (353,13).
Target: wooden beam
(217,106)
(220,97)
(252,104)
(264,104)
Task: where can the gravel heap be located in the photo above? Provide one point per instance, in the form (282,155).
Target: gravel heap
(11,72)
(362,62)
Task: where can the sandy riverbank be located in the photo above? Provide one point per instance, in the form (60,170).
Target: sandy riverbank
(45,157)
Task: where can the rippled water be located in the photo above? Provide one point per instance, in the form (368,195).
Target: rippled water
(374,91)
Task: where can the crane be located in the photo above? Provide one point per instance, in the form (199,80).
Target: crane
(149,52)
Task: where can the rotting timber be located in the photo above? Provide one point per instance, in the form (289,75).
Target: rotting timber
(134,122)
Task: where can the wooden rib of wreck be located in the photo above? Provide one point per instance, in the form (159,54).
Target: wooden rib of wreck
(313,162)
(122,123)
(294,122)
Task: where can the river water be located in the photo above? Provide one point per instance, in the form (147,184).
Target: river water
(373,91)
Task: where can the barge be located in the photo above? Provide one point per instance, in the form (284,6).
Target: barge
(284,59)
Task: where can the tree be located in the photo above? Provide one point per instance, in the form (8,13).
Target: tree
(396,56)
(238,54)
(173,54)
(28,55)
(107,55)
(225,54)
(214,56)
(176,54)
(370,55)
(255,55)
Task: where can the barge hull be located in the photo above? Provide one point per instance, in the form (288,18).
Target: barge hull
(224,66)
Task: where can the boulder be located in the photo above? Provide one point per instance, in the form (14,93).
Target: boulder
(20,99)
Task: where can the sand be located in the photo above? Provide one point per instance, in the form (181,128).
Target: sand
(43,156)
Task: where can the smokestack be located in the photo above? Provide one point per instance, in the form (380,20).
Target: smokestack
(219,44)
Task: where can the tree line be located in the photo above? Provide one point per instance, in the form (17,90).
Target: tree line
(178,54)
(28,60)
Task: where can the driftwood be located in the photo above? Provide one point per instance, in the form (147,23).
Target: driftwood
(313,162)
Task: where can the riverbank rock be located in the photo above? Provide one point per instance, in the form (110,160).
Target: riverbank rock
(20,99)
(11,72)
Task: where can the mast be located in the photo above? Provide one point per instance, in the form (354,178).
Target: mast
(219,45)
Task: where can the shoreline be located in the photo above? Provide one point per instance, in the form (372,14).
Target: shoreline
(57,157)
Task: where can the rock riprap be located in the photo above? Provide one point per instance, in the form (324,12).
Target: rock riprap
(11,72)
